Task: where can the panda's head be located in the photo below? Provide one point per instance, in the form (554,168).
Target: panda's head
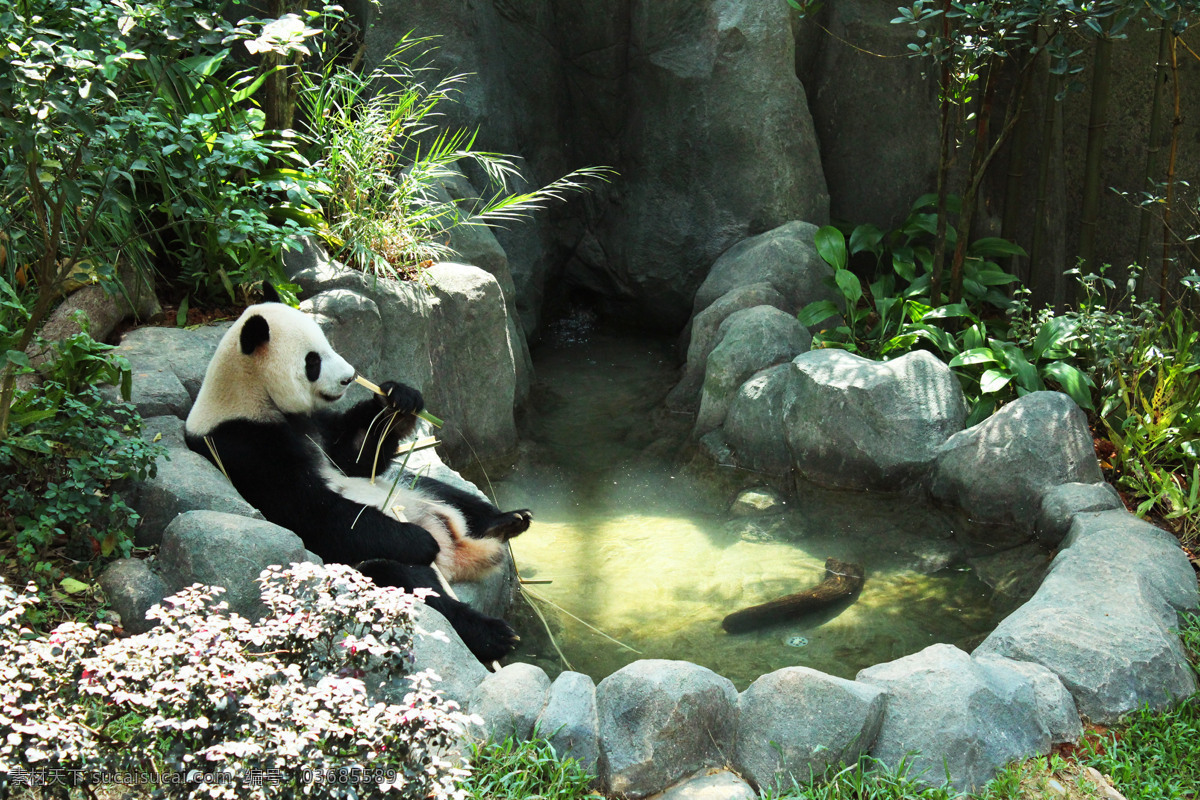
(275,360)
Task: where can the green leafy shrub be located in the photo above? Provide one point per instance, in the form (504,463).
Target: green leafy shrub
(68,443)
(209,704)
(379,161)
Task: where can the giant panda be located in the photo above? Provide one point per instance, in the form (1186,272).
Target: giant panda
(263,416)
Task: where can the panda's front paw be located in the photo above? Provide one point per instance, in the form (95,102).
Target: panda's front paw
(401,398)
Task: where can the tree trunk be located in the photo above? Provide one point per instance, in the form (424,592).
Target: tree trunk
(1097,122)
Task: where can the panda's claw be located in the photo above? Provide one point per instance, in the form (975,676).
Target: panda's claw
(509,524)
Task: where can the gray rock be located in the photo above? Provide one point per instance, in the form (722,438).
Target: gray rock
(510,701)
(998,470)
(849,84)
(860,424)
(784,257)
(132,589)
(156,390)
(182,352)
(757,500)
(749,340)
(959,718)
(569,721)
(437,647)
(754,426)
(740,180)
(795,722)
(661,720)
(352,324)
(1058,707)
(227,550)
(723,785)
(1104,617)
(685,395)
(185,481)
(1061,503)
(447,337)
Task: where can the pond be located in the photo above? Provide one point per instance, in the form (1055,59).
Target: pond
(635,554)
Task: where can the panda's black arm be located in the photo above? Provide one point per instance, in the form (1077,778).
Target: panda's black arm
(352,438)
(278,473)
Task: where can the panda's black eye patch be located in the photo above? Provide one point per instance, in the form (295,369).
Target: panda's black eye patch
(312,366)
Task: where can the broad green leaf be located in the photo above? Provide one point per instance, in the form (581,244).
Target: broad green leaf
(817,312)
(950,311)
(866,237)
(1072,381)
(1054,332)
(73,586)
(982,409)
(1026,374)
(977,355)
(992,247)
(994,380)
(831,246)
(19,358)
(994,277)
(851,287)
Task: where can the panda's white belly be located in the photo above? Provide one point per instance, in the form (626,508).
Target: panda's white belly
(460,556)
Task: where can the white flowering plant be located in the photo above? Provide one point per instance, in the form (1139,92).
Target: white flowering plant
(211,705)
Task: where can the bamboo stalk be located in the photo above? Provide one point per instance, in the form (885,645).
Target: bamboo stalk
(425,415)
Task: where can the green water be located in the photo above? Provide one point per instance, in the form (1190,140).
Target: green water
(646,550)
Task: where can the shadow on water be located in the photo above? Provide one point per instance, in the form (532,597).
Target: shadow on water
(646,550)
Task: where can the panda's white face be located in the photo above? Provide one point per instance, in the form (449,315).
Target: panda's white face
(275,359)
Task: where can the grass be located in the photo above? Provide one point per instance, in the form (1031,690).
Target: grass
(1150,756)
(514,770)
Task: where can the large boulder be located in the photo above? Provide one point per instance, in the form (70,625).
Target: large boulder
(448,336)
(569,720)
(1105,615)
(1061,503)
(796,722)
(510,700)
(957,718)
(661,721)
(437,647)
(695,178)
(748,341)
(226,550)
(754,426)
(132,588)
(860,424)
(785,258)
(685,395)
(998,470)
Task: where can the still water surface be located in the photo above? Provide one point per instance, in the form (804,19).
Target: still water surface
(646,550)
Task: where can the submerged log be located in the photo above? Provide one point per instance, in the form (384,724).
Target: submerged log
(842,579)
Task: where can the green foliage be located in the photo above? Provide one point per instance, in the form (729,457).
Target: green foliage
(516,770)
(379,162)
(866,779)
(1147,365)
(67,445)
(1154,754)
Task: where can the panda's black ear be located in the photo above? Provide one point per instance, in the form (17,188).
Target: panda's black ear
(269,293)
(255,333)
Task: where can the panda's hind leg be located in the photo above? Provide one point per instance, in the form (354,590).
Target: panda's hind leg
(507,524)
(484,520)
(488,638)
